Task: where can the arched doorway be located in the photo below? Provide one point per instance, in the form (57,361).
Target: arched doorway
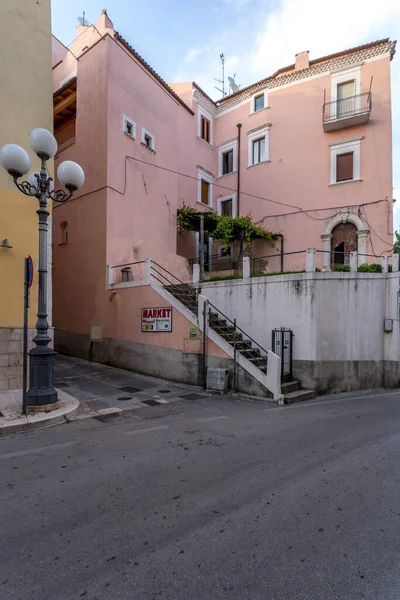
(346,232)
(344,239)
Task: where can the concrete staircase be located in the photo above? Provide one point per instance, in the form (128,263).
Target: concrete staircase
(188,297)
(293,393)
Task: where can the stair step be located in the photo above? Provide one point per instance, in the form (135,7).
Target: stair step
(299,396)
(290,386)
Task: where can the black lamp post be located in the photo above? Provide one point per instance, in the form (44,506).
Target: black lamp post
(42,394)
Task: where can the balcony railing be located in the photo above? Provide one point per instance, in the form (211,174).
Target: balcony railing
(217,263)
(347,112)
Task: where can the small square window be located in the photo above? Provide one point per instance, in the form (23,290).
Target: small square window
(227,162)
(129,127)
(205,129)
(205,192)
(147,140)
(259,102)
(226,208)
(344,166)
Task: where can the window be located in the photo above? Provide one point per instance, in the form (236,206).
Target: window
(227,162)
(205,192)
(204,125)
(345,92)
(227,158)
(344,166)
(128,126)
(259,102)
(226,208)
(258,145)
(205,129)
(345,161)
(148,140)
(63,233)
(258,151)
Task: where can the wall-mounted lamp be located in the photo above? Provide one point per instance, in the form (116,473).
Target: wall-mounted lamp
(5,244)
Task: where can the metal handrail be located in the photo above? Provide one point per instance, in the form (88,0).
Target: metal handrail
(166,270)
(364,100)
(210,304)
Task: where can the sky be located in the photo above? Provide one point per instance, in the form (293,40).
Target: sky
(182,40)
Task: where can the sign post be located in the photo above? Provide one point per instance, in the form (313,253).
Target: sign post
(28,278)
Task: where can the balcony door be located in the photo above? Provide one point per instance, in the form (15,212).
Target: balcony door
(345,99)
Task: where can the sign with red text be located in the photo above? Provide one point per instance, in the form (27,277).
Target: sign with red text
(157,319)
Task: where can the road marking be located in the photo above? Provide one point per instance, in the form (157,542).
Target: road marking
(34,450)
(207,419)
(147,430)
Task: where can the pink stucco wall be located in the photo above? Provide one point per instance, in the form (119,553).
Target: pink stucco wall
(126,211)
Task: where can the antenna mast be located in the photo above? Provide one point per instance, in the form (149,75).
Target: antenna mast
(222,81)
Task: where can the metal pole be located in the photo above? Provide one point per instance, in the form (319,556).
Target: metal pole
(41,371)
(234,357)
(201,247)
(25,338)
(205,312)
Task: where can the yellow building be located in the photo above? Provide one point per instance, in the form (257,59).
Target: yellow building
(26,102)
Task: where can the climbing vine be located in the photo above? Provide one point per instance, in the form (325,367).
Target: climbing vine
(224,229)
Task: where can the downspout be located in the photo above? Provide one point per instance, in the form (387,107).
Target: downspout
(281,253)
(239,126)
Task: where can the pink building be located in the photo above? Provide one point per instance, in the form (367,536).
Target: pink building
(307,152)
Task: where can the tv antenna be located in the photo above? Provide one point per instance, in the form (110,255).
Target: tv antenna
(83,21)
(222,81)
(234,87)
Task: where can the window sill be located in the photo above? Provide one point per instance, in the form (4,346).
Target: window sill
(205,142)
(256,112)
(147,148)
(129,135)
(260,163)
(227,174)
(343,182)
(204,205)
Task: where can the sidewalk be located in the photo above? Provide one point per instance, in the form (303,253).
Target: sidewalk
(12,421)
(103,390)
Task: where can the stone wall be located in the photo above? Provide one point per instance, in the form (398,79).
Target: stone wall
(11,358)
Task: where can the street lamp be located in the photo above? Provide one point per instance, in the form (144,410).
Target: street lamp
(42,394)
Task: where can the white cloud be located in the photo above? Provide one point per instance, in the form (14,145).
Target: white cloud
(192,54)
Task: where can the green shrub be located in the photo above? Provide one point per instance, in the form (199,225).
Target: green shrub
(342,268)
(374,268)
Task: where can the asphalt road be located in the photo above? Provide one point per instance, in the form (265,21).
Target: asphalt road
(213,499)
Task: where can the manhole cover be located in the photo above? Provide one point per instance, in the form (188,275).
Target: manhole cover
(124,398)
(164,391)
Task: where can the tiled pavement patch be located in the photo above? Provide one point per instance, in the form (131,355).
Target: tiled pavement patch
(105,392)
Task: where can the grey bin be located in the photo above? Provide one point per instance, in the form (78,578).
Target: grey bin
(217,379)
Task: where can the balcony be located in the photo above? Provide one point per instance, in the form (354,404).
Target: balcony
(347,112)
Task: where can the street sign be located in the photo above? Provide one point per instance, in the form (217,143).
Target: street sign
(29,274)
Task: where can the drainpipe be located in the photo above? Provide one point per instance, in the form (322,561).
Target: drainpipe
(239,126)
(282,254)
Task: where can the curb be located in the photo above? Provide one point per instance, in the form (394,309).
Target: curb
(68,410)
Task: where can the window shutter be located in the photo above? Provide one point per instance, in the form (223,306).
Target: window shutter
(230,161)
(344,166)
(204,191)
(226,208)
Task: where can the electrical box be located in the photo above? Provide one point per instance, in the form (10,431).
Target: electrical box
(388,326)
(217,379)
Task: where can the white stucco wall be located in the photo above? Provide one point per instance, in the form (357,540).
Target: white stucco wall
(334,316)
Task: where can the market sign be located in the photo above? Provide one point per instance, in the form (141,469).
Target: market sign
(157,319)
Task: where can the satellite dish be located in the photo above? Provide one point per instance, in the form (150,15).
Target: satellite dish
(83,21)
(233,84)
